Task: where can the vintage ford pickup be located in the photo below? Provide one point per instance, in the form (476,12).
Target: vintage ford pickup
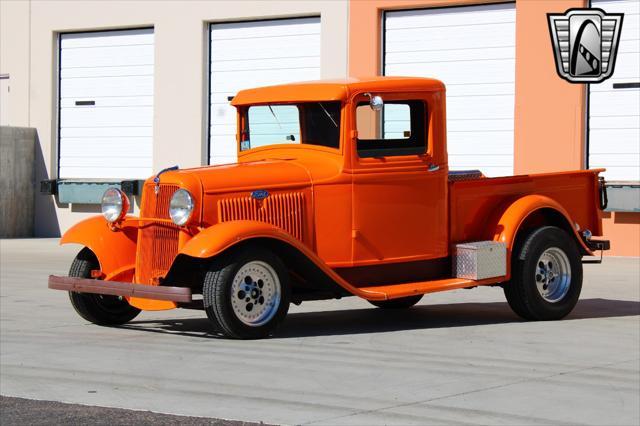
(341,188)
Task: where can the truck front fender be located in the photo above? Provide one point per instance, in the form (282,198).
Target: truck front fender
(517,213)
(115,250)
(218,238)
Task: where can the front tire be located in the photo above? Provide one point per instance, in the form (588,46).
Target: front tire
(546,275)
(97,308)
(247,296)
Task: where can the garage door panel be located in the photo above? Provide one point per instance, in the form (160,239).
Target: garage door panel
(614,114)
(135,146)
(471,125)
(114,137)
(107,132)
(616,170)
(615,140)
(237,80)
(493,165)
(458,72)
(479,89)
(488,107)
(234,53)
(98,173)
(103,87)
(457,43)
(613,122)
(239,48)
(128,162)
(408,57)
(270,28)
(115,71)
(110,38)
(105,117)
(107,56)
(108,101)
(631,45)
(473,36)
(226,146)
(240,78)
(491,160)
(611,160)
(267,64)
(470,15)
(225,129)
(496,142)
(626,101)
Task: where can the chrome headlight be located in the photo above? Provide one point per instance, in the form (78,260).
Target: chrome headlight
(115,205)
(181,207)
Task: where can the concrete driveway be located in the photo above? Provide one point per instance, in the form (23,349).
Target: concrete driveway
(460,357)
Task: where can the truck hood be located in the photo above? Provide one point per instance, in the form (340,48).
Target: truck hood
(246,176)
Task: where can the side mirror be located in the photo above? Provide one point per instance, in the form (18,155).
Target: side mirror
(375,102)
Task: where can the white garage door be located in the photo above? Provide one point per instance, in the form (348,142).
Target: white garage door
(106,104)
(472,50)
(614,105)
(252,54)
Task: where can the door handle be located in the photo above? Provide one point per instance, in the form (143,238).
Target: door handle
(630,85)
(433,168)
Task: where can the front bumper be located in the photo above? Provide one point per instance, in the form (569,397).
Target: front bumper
(115,288)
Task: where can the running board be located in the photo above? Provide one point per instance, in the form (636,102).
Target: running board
(395,291)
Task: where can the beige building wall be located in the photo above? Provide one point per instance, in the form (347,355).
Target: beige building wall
(28,37)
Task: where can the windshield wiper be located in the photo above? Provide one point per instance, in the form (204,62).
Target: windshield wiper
(328,115)
(274,116)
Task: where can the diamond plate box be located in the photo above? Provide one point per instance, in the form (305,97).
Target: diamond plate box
(479,260)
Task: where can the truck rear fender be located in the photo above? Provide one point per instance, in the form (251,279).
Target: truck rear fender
(533,211)
(219,240)
(116,251)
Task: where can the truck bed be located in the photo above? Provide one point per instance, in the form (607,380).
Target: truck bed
(477,201)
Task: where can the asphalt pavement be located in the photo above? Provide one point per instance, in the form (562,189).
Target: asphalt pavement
(458,357)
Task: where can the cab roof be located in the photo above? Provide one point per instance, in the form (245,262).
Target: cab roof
(333,90)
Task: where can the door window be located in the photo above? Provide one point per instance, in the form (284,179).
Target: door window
(399,129)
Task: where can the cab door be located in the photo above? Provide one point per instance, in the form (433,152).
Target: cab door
(399,189)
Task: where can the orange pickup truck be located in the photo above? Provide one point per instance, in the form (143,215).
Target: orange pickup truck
(341,188)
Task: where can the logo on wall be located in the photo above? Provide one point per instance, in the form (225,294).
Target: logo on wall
(585,43)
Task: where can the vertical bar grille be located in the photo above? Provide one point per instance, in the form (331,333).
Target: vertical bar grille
(285,211)
(157,241)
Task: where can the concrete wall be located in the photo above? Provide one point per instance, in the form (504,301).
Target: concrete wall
(17,181)
(28,37)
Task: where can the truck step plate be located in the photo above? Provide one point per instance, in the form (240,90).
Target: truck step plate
(395,291)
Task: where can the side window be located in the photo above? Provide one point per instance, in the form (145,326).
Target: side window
(399,129)
(273,124)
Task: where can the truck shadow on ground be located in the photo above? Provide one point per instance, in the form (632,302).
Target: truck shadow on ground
(375,320)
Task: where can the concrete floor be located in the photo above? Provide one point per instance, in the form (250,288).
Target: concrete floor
(460,357)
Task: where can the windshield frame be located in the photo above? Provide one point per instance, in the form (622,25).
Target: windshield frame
(243,127)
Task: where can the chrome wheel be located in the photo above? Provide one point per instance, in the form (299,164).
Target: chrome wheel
(553,275)
(255,293)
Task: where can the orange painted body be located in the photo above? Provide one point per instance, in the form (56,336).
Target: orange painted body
(340,211)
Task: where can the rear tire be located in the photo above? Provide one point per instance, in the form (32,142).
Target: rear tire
(97,308)
(546,275)
(247,295)
(401,303)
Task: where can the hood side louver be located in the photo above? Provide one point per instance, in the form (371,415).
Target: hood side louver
(285,211)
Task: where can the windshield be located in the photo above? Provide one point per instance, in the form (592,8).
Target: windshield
(310,123)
